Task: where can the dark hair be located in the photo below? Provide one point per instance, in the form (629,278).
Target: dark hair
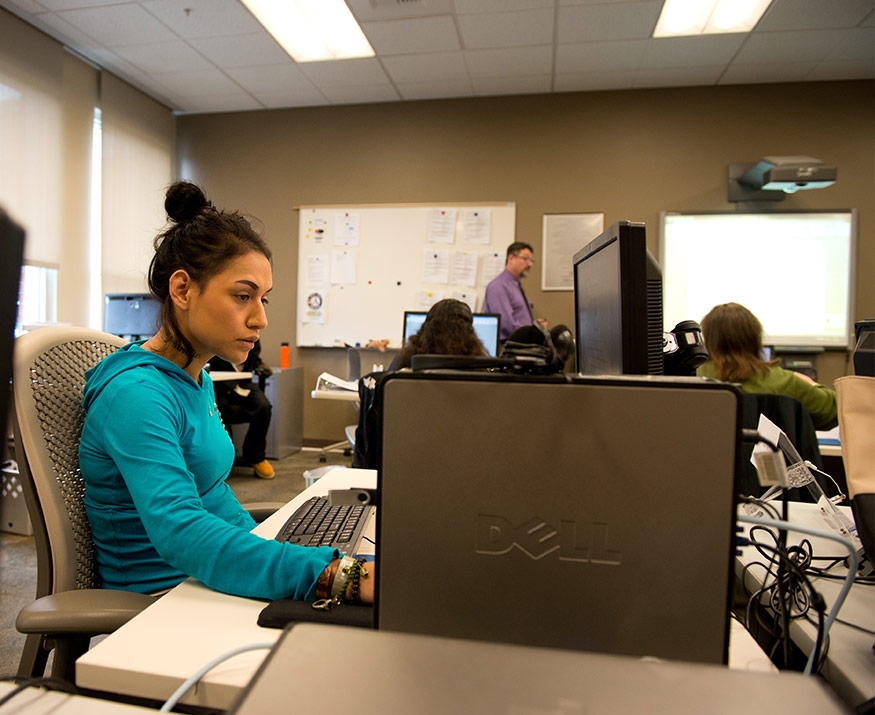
(734,339)
(517,246)
(201,240)
(448,330)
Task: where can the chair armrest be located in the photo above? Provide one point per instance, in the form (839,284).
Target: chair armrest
(85,611)
(260,510)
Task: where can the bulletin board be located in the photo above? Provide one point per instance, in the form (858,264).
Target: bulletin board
(361,267)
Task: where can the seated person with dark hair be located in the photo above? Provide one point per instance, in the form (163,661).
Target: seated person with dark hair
(243,401)
(448,329)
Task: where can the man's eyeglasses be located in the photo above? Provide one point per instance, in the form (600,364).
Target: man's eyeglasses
(527,259)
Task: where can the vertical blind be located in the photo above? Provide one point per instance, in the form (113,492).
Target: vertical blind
(48,99)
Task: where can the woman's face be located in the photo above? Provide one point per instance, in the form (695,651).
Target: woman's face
(225,318)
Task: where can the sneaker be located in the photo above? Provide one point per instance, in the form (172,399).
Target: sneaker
(263,470)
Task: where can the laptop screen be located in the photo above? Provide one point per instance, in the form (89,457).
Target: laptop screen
(486,325)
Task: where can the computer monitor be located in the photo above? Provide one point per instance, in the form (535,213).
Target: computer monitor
(618,304)
(130,315)
(864,348)
(486,325)
(11,256)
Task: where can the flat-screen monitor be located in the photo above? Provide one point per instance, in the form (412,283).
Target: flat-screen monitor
(486,325)
(793,270)
(130,315)
(11,255)
(618,304)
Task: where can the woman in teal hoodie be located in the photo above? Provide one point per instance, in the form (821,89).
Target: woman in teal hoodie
(154,453)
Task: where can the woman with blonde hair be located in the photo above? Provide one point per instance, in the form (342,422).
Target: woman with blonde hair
(734,339)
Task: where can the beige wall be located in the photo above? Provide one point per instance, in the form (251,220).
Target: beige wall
(627,154)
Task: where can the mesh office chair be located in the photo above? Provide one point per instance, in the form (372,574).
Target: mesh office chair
(70,607)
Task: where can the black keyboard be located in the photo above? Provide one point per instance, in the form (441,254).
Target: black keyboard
(317,523)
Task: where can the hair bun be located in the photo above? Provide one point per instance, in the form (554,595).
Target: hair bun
(184,201)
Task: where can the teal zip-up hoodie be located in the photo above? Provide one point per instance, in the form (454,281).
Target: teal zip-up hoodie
(155,456)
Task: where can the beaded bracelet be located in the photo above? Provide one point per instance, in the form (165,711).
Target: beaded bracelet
(342,577)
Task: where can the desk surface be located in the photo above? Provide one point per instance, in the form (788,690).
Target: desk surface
(850,661)
(222,375)
(341,395)
(155,652)
(36,701)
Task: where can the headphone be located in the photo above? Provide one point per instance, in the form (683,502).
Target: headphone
(538,351)
(684,349)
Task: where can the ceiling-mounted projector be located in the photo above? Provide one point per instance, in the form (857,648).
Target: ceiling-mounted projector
(789,174)
(773,176)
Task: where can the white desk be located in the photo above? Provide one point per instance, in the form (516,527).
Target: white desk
(223,375)
(850,661)
(36,701)
(339,395)
(155,652)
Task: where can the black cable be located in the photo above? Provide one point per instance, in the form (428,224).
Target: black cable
(787,583)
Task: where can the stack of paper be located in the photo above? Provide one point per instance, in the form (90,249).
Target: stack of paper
(327,381)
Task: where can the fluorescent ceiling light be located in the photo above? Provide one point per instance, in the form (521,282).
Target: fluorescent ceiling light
(312,30)
(708,17)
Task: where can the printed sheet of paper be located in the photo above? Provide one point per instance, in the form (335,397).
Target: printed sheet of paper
(442,226)
(315,310)
(346,229)
(476,226)
(342,267)
(435,265)
(464,268)
(318,268)
(493,264)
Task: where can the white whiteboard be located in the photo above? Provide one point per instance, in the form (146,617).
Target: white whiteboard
(361,267)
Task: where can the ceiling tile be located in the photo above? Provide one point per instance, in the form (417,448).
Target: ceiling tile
(808,15)
(614,21)
(484,86)
(370,10)
(763,73)
(677,76)
(684,51)
(367,72)
(833,70)
(594,81)
(854,45)
(431,34)
(263,79)
(515,62)
(509,29)
(435,90)
(203,18)
(118,25)
(607,56)
(357,94)
(437,66)
(467,7)
(257,48)
(788,47)
(161,57)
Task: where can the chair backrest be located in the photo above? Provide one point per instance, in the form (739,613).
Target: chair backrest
(48,380)
(788,414)
(353,364)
